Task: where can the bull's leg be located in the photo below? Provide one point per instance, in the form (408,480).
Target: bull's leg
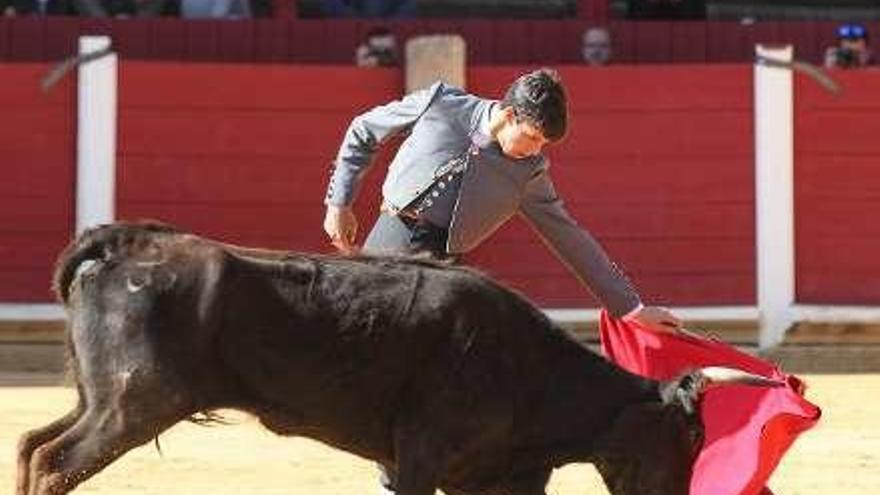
(37,437)
(619,476)
(417,462)
(528,483)
(387,478)
(98,438)
(415,477)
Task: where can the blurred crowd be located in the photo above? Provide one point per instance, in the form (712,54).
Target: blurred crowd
(380,48)
(191,9)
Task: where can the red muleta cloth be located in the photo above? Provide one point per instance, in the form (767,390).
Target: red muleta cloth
(748,429)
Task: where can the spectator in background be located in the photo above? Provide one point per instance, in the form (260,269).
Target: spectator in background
(667,9)
(215,9)
(369,8)
(379,49)
(851,50)
(13,8)
(596,46)
(120,8)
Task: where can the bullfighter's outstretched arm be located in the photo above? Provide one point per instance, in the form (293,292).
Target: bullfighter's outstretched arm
(576,248)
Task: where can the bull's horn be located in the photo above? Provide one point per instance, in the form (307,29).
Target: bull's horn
(719,375)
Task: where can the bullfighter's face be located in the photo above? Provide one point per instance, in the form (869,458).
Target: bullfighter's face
(517,138)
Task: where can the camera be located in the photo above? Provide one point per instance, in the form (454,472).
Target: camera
(846,58)
(384,57)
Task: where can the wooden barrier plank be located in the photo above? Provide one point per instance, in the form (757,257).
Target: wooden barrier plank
(30,251)
(95,26)
(27,39)
(727,43)
(236,41)
(625,41)
(550,44)
(306,42)
(278,87)
(62,39)
(26,216)
(131,40)
(833,334)
(203,41)
(689,41)
(227,179)
(27,285)
(270,41)
(22,332)
(168,39)
(233,132)
(517,40)
(292,226)
(492,41)
(653,43)
(5,39)
(480,39)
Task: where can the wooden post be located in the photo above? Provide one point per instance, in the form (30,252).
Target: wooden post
(774,194)
(435,57)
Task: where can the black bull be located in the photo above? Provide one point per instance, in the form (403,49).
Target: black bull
(448,379)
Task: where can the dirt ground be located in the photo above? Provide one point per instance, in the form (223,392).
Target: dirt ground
(840,456)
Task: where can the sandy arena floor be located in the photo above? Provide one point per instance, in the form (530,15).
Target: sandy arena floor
(840,456)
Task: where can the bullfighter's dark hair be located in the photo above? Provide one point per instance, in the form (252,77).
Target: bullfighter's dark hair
(539,99)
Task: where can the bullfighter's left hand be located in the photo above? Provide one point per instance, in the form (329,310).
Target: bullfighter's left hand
(656,318)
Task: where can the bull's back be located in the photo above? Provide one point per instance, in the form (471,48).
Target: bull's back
(340,347)
(345,349)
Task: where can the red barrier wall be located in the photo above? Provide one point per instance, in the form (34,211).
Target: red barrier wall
(490,42)
(661,172)
(239,152)
(37,143)
(658,165)
(837,190)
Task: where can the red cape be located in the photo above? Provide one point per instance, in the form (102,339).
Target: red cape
(748,429)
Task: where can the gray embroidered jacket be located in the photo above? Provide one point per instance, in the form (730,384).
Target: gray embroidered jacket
(440,121)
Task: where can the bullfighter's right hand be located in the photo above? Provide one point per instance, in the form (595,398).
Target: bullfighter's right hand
(340,224)
(655,318)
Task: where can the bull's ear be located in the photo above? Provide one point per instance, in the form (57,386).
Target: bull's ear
(684,391)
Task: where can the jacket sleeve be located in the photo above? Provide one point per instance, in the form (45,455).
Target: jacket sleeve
(364,135)
(575,247)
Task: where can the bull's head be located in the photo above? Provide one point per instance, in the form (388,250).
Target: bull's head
(652,446)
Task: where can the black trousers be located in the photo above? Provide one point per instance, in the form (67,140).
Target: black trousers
(398,235)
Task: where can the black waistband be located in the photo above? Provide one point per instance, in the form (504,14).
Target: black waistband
(427,237)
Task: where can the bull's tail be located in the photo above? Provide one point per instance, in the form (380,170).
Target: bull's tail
(100,243)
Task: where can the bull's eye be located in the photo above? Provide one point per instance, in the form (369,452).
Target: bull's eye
(135,283)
